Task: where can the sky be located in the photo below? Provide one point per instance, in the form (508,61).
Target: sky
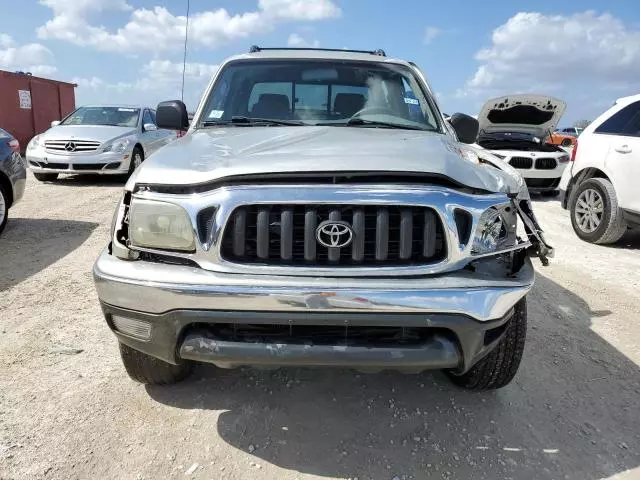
(131,51)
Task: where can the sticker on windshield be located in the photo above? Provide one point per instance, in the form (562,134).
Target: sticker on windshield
(126,109)
(411,101)
(216,114)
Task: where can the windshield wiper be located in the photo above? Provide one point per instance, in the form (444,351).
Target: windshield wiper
(357,122)
(251,121)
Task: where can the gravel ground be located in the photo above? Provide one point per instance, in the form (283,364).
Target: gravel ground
(68,410)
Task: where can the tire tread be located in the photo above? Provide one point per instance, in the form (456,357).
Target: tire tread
(500,366)
(149,370)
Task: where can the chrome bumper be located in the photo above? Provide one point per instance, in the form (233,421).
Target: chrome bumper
(156,288)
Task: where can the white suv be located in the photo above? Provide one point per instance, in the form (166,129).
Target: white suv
(600,186)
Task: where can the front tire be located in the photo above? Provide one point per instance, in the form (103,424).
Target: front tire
(498,368)
(4,207)
(149,370)
(595,215)
(46,177)
(566,142)
(137,157)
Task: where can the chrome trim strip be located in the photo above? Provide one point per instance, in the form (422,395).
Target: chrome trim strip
(226,199)
(128,284)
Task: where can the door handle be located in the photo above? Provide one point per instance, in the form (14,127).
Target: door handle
(623,149)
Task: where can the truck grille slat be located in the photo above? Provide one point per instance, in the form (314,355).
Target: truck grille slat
(286,235)
(429,242)
(357,249)
(310,235)
(382,234)
(406,234)
(262,234)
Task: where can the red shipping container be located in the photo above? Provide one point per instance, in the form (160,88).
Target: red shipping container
(29,104)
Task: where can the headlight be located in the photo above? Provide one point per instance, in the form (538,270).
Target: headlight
(34,143)
(161,225)
(119,146)
(490,232)
(563,158)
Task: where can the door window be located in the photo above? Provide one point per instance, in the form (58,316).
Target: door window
(626,122)
(146,118)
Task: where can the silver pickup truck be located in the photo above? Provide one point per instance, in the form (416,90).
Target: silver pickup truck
(320,211)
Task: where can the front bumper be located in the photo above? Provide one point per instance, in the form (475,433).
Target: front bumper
(180,303)
(103,163)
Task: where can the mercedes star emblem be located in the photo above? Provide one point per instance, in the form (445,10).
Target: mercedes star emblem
(70,147)
(334,234)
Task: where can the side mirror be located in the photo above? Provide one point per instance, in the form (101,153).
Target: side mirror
(55,123)
(149,127)
(466,127)
(172,115)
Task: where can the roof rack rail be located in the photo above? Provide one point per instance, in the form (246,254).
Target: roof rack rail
(379,52)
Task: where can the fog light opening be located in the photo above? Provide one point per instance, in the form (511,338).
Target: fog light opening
(131,327)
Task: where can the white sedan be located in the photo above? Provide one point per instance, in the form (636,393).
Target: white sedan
(107,140)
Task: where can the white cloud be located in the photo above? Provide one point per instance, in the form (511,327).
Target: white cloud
(430,34)
(32,57)
(533,51)
(158,80)
(160,30)
(296,40)
(6,41)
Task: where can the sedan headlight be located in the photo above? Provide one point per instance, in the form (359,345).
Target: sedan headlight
(34,143)
(119,146)
(161,225)
(491,232)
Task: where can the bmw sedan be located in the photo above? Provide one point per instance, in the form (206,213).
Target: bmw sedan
(108,140)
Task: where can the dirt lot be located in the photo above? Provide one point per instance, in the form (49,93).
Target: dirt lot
(68,410)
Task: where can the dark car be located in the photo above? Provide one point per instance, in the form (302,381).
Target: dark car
(13,175)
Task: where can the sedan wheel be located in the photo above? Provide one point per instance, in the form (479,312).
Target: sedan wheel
(589,210)
(137,159)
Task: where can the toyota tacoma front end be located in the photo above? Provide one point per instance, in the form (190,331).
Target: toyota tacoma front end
(320,211)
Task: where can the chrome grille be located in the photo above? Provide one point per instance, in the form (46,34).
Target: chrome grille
(71,146)
(285,235)
(546,163)
(521,162)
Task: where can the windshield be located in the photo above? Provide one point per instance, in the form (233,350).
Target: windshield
(115,116)
(319,92)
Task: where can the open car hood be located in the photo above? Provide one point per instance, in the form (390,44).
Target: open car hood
(534,114)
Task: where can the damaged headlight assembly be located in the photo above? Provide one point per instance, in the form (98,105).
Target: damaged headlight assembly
(160,225)
(495,231)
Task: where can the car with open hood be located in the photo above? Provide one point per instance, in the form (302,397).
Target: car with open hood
(97,139)
(517,129)
(320,211)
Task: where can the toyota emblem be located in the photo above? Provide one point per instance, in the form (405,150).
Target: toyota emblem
(334,234)
(70,147)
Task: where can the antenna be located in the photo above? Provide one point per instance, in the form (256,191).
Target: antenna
(184,59)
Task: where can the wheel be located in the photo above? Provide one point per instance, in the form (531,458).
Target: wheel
(499,367)
(46,177)
(146,369)
(595,215)
(4,207)
(137,157)
(566,142)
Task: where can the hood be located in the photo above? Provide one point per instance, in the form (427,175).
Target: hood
(534,114)
(209,155)
(98,133)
